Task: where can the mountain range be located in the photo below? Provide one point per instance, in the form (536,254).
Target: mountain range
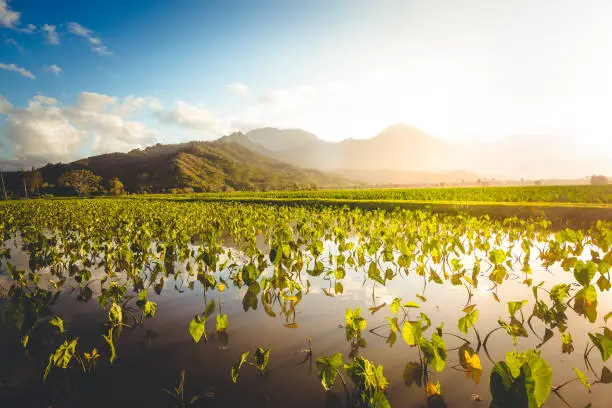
(404,154)
(271,158)
(220,165)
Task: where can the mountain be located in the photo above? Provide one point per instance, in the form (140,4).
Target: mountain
(219,165)
(397,148)
(408,178)
(401,154)
(279,140)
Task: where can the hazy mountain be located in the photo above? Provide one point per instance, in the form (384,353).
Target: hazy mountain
(402,154)
(209,166)
(277,140)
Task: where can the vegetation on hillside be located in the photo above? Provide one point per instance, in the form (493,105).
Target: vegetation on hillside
(217,166)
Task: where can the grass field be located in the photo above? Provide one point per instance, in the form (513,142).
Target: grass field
(564,206)
(583,194)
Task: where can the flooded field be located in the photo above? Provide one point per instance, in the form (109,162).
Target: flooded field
(135,303)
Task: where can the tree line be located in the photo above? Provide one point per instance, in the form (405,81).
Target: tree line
(80,181)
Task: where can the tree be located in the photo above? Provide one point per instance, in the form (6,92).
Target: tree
(115,187)
(81,181)
(33,180)
(599,180)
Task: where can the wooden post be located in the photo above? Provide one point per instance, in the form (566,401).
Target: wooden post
(3,186)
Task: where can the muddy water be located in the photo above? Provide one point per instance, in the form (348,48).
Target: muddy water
(152,356)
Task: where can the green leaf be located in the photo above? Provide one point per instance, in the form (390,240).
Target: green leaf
(57,322)
(514,307)
(374,273)
(149,309)
(327,369)
(393,323)
(196,328)
(515,328)
(603,283)
(603,342)
(235,370)
(262,358)
(395,305)
(510,392)
(355,324)
(499,274)
(540,371)
(584,272)
(64,353)
(412,304)
(411,333)
(559,292)
(221,322)
(434,352)
(583,378)
(585,302)
(497,256)
(567,344)
(468,321)
(115,314)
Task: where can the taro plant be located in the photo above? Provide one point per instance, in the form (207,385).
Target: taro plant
(523,380)
(177,393)
(368,379)
(261,359)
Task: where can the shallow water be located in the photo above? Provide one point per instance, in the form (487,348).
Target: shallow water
(150,357)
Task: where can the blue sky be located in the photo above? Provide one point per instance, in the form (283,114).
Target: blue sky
(87,77)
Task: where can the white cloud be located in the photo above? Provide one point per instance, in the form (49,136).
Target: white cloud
(41,132)
(46,131)
(238,88)
(132,104)
(194,117)
(84,32)
(46,100)
(30,28)
(50,34)
(8,17)
(4,105)
(54,69)
(13,42)
(20,70)
(95,102)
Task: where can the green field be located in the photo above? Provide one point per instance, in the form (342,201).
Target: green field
(565,206)
(383,306)
(526,194)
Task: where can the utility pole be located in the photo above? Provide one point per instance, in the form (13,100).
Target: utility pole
(3,186)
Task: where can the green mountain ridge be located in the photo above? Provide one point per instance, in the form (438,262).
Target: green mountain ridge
(220,165)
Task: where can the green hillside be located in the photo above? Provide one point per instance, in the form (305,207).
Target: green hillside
(221,165)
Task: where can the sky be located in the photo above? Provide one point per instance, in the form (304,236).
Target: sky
(86,77)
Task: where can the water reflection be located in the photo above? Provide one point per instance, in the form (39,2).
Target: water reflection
(154,354)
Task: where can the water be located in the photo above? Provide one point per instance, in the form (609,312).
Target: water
(151,356)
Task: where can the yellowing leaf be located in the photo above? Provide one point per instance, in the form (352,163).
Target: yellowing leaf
(220,287)
(473,361)
(432,389)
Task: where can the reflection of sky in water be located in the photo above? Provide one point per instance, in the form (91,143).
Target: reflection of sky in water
(152,357)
